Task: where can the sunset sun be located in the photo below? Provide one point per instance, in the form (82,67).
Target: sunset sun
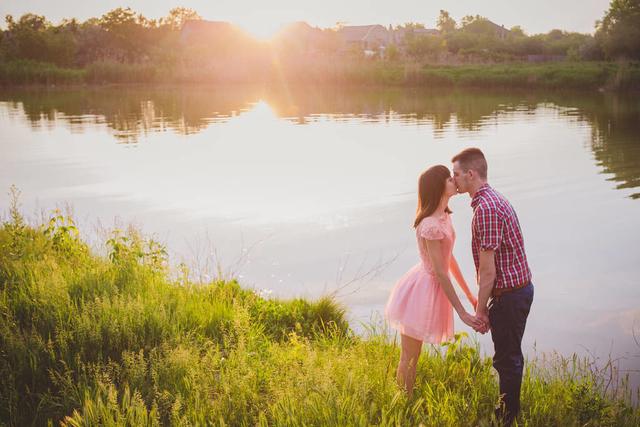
(260,29)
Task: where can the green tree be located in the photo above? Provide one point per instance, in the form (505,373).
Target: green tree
(468,20)
(117,19)
(517,31)
(62,43)
(3,46)
(27,38)
(130,36)
(178,16)
(411,26)
(446,24)
(421,47)
(33,37)
(392,53)
(619,30)
(92,42)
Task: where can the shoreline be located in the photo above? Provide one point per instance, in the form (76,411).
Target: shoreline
(575,76)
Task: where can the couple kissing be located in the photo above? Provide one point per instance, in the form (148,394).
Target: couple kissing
(421,303)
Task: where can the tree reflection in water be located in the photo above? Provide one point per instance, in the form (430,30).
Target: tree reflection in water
(132,111)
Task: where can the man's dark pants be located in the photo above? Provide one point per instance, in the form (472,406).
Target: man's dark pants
(508,317)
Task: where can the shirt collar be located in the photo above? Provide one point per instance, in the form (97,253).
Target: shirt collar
(476,197)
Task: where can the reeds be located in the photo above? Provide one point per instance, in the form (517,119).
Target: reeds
(563,75)
(24,72)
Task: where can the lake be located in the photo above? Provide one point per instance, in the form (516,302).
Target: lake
(301,191)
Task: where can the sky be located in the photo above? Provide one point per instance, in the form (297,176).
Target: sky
(263,18)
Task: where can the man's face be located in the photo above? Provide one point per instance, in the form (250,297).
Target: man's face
(460,178)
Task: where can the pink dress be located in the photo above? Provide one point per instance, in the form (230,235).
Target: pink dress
(417,306)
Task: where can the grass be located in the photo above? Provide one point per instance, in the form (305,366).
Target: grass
(24,72)
(589,75)
(562,75)
(117,340)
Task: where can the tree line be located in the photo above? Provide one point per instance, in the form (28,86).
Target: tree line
(617,36)
(124,36)
(120,35)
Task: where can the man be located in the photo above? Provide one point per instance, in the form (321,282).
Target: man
(504,278)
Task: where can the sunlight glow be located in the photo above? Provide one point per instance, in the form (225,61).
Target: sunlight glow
(260,29)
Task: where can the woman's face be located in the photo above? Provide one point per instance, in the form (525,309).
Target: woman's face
(450,188)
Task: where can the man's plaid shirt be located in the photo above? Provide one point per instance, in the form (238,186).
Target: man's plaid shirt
(495,226)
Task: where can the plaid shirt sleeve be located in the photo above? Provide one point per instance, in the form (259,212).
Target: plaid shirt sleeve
(488,228)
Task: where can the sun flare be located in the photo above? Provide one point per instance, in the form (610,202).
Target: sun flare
(263,30)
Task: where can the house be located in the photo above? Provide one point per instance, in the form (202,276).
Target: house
(371,38)
(500,31)
(300,36)
(364,37)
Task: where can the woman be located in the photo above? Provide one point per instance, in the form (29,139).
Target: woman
(420,304)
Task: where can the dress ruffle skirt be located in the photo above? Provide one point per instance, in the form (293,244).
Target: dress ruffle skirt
(419,308)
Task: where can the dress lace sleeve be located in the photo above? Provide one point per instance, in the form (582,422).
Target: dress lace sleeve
(430,229)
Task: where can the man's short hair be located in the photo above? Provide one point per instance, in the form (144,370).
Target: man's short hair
(472,158)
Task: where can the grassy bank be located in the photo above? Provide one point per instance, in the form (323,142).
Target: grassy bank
(569,75)
(117,340)
(31,72)
(583,75)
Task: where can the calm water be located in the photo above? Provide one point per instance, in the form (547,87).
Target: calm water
(300,192)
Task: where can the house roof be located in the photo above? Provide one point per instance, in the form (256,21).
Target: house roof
(498,28)
(300,31)
(354,33)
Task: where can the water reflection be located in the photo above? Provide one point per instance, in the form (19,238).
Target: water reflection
(133,111)
(322,180)
(616,140)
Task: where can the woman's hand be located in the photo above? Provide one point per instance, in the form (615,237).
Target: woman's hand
(471,321)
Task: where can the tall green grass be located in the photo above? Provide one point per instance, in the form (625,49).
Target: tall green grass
(562,75)
(116,340)
(24,72)
(580,75)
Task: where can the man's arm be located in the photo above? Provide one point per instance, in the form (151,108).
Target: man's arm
(489,234)
(486,280)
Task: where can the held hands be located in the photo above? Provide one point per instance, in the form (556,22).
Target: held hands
(482,315)
(479,322)
(472,321)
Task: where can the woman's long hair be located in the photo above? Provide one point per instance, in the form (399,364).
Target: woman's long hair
(431,186)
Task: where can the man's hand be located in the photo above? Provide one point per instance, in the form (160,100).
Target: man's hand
(482,314)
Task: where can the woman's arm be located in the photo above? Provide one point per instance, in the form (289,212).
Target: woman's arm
(435,255)
(457,273)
